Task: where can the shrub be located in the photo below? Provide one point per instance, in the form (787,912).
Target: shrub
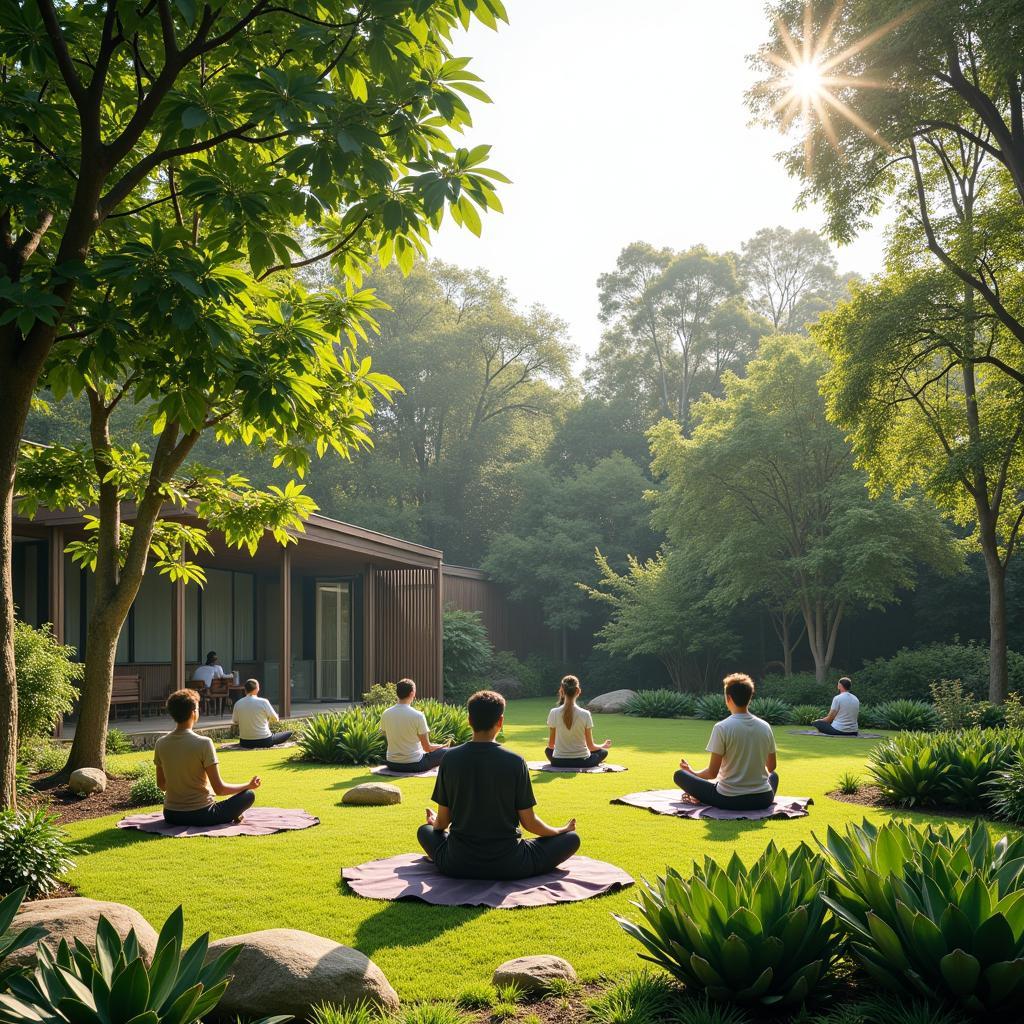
(772,710)
(458,693)
(1013,712)
(361,741)
(446,721)
(908,771)
(46,677)
(909,715)
(476,997)
(145,791)
(44,756)
(22,782)
(362,1012)
(10,940)
(381,693)
(799,688)
(34,852)
(320,737)
(118,742)
(989,715)
(640,998)
(807,714)
(746,933)
(661,704)
(711,707)
(1006,791)
(955,706)
(933,912)
(849,783)
(702,1010)
(427,1013)
(467,651)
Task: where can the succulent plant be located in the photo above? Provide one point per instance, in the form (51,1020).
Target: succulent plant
(661,704)
(11,941)
(772,710)
(711,707)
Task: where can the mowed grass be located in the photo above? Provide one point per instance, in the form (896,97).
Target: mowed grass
(292,880)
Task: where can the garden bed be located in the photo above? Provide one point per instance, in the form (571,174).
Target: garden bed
(56,797)
(871,796)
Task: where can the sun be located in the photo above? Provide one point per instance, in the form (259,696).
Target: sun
(806,79)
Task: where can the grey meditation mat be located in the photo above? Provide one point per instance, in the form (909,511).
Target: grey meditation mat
(604,766)
(383,769)
(413,876)
(258,821)
(277,746)
(672,802)
(858,736)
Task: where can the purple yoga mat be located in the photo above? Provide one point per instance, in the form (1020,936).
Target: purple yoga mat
(545,766)
(413,876)
(277,746)
(859,736)
(383,769)
(670,801)
(258,821)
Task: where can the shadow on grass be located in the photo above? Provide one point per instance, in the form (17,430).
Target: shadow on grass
(114,838)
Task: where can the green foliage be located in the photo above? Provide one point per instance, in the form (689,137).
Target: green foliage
(22,782)
(1006,790)
(956,708)
(932,911)
(458,694)
(118,742)
(989,715)
(1013,712)
(428,1013)
(12,940)
(446,721)
(772,710)
(704,1010)
(640,998)
(46,677)
(476,997)
(145,792)
(909,773)
(751,934)
(711,707)
(361,741)
(34,852)
(44,755)
(849,783)
(661,704)
(320,737)
(888,1008)
(362,1012)
(908,715)
(805,714)
(799,688)
(467,651)
(381,693)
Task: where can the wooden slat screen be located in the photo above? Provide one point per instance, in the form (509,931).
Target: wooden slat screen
(408,633)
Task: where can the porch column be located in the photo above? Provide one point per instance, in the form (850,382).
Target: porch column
(56,582)
(178,635)
(285,672)
(439,626)
(369,627)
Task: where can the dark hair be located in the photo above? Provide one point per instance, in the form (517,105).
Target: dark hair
(404,688)
(251,685)
(485,708)
(739,688)
(570,688)
(846,683)
(182,704)
(211,657)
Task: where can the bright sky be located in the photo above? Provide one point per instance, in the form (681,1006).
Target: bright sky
(620,122)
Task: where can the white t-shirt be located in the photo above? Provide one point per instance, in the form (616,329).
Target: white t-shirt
(571,742)
(253,716)
(206,674)
(847,708)
(403,726)
(744,741)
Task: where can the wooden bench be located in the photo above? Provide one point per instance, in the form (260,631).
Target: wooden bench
(127,690)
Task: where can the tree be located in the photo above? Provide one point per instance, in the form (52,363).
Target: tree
(233,121)
(767,494)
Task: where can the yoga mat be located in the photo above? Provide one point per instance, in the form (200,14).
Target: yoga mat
(671,801)
(413,876)
(859,736)
(258,821)
(546,766)
(383,769)
(277,746)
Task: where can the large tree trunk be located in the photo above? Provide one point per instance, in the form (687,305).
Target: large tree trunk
(89,748)
(822,633)
(998,671)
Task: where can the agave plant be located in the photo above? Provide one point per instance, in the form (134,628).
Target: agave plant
(319,738)
(932,912)
(975,757)
(745,933)
(909,773)
(711,707)
(11,941)
(806,714)
(661,704)
(915,715)
(772,710)
(361,741)
(446,721)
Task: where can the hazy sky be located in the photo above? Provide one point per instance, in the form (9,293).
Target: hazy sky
(619,122)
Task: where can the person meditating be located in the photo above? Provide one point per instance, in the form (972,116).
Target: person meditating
(187,772)
(741,774)
(483,795)
(253,715)
(408,735)
(571,731)
(843,718)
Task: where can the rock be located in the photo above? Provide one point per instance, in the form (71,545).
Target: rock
(373,794)
(610,703)
(74,917)
(533,973)
(283,970)
(508,686)
(87,780)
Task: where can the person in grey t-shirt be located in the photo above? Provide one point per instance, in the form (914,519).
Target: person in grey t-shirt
(843,718)
(741,774)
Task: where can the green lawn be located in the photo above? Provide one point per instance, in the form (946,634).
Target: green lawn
(229,886)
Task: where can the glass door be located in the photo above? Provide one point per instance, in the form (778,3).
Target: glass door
(333,640)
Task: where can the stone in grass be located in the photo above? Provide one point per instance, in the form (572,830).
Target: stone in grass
(286,971)
(85,781)
(373,794)
(532,974)
(613,703)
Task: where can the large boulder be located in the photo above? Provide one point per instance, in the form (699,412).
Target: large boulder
(74,917)
(610,703)
(283,970)
(373,794)
(532,974)
(86,781)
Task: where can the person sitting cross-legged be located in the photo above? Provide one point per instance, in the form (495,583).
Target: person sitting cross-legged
(253,715)
(408,734)
(843,718)
(741,774)
(483,795)
(571,731)
(188,774)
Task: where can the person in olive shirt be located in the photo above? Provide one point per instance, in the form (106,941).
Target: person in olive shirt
(483,795)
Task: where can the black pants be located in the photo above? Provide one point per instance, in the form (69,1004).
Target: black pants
(826,727)
(595,758)
(707,793)
(528,858)
(216,814)
(267,741)
(424,764)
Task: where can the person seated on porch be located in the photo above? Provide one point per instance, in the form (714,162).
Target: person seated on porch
(741,774)
(253,715)
(484,795)
(188,774)
(209,671)
(408,734)
(843,718)
(571,731)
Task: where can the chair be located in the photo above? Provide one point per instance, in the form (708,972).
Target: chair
(127,690)
(215,695)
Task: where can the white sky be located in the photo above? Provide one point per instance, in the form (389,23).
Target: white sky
(620,122)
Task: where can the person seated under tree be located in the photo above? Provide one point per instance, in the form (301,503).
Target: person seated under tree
(253,715)
(741,774)
(408,734)
(571,731)
(844,717)
(484,795)
(188,774)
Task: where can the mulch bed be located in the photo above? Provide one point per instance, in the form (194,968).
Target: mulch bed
(58,799)
(871,796)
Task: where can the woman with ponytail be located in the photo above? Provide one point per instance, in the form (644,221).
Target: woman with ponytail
(571,731)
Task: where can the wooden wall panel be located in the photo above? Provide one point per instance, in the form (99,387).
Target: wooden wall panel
(407,631)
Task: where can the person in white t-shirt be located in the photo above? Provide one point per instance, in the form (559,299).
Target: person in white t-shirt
(253,715)
(408,735)
(571,731)
(209,671)
(843,718)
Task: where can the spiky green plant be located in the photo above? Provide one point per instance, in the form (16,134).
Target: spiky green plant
(361,741)
(975,757)
(476,997)
(1006,791)
(807,714)
(749,934)
(909,773)
(34,852)
(711,707)
(907,715)
(11,941)
(362,1012)
(640,998)
(319,738)
(661,704)
(849,783)
(772,710)
(702,1010)
(446,721)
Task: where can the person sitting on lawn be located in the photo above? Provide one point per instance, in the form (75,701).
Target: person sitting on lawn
(843,718)
(408,734)
(571,731)
(209,671)
(188,774)
(741,773)
(253,715)
(483,795)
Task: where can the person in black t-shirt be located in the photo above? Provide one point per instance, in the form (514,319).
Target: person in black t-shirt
(483,795)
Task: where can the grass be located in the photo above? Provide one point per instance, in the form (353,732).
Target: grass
(292,880)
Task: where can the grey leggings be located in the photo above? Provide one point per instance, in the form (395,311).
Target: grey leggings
(266,741)
(829,729)
(216,814)
(528,858)
(424,764)
(707,793)
(595,758)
